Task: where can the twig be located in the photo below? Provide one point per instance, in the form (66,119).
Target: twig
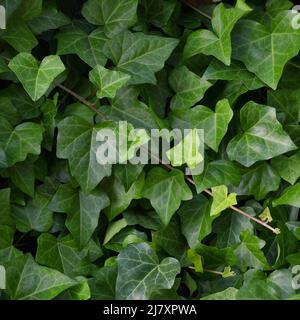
(197,10)
(82,100)
(104,116)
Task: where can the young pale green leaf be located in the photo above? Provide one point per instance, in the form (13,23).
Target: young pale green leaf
(218,41)
(214,124)
(266,47)
(107,82)
(166,190)
(147,53)
(16,143)
(217,173)
(26,280)
(89,47)
(141,273)
(262,138)
(221,200)
(290,196)
(114,15)
(36,78)
(189,88)
(187,151)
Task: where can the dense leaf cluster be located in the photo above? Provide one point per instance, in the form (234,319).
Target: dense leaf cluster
(71,228)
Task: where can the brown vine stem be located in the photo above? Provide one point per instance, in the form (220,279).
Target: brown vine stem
(197,10)
(82,100)
(92,107)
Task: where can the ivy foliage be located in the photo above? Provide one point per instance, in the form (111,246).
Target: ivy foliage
(72,228)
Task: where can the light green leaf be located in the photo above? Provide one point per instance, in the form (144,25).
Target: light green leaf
(189,88)
(221,200)
(140,272)
(262,137)
(138,51)
(114,15)
(26,280)
(36,79)
(187,151)
(108,82)
(166,190)
(114,228)
(218,41)
(266,47)
(258,290)
(214,124)
(196,260)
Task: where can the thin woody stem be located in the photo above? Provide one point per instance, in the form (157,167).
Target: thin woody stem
(91,106)
(104,116)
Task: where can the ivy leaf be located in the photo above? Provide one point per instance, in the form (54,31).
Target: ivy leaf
(26,280)
(35,215)
(19,36)
(107,82)
(189,88)
(16,143)
(288,168)
(290,196)
(258,290)
(140,272)
(196,221)
(259,45)
(83,211)
(214,124)
(227,294)
(262,137)
(218,41)
(216,173)
(148,53)
(62,255)
(77,142)
(50,18)
(186,151)
(5,212)
(114,15)
(249,253)
(229,227)
(36,79)
(258,181)
(166,190)
(89,47)
(221,200)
